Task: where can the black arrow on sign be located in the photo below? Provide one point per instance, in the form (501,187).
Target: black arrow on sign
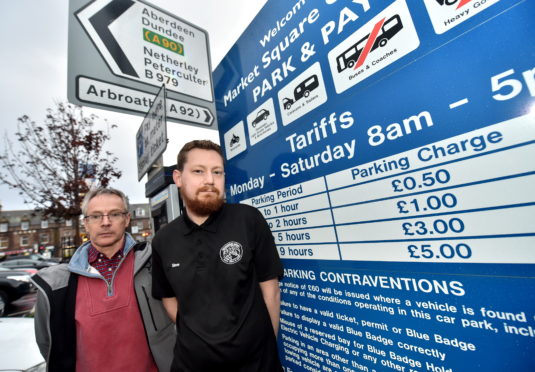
(101,22)
(208,118)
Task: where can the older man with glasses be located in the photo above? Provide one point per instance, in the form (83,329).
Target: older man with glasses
(97,313)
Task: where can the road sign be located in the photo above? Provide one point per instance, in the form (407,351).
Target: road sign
(94,91)
(151,137)
(396,173)
(121,52)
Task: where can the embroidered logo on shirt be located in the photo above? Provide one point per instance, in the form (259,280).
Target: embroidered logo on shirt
(173,265)
(231,253)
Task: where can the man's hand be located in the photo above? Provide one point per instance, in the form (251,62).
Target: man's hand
(171,306)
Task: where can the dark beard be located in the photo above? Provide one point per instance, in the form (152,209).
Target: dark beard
(203,207)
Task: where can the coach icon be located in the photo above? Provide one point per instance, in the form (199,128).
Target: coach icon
(349,57)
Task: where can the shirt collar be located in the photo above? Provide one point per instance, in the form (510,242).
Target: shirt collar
(209,225)
(93,254)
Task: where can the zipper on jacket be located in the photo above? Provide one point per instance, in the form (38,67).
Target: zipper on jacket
(110,283)
(150,309)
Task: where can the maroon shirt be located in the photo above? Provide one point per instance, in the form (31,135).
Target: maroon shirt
(105,266)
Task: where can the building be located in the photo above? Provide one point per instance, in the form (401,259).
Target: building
(140,222)
(27,231)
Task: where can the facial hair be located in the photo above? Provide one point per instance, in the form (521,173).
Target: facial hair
(206,206)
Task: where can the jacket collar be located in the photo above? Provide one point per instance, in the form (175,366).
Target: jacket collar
(79,262)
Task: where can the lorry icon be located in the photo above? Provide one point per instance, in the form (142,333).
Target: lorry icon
(447,2)
(302,90)
(260,115)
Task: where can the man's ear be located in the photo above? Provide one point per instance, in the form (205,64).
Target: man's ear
(127,219)
(177,177)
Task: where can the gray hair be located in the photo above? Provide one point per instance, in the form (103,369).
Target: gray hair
(104,191)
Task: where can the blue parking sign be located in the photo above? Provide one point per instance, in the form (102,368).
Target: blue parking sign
(395,170)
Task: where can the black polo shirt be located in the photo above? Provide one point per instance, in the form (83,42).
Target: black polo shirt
(214,270)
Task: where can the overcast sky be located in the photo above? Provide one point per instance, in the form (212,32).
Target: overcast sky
(33,67)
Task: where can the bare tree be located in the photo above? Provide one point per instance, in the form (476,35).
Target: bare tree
(51,163)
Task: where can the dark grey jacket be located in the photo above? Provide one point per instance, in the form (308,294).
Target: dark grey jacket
(55,328)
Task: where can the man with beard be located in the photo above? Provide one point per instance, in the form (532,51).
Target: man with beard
(216,269)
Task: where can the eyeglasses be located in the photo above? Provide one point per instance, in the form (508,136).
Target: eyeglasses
(113,217)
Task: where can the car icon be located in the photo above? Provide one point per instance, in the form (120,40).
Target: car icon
(260,115)
(287,103)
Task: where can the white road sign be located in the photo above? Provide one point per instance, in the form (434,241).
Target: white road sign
(106,94)
(130,45)
(151,137)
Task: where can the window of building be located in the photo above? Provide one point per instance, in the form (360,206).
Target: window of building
(67,240)
(25,225)
(44,224)
(68,222)
(24,240)
(3,226)
(3,242)
(43,238)
(140,212)
(140,225)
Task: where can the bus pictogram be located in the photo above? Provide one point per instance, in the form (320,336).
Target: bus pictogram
(390,28)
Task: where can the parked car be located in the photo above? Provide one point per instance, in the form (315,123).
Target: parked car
(30,272)
(18,347)
(33,256)
(26,263)
(13,285)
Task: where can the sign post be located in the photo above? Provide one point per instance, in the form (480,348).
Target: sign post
(121,52)
(151,137)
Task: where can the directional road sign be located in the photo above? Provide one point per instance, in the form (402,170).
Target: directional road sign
(122,51)
(151,137)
